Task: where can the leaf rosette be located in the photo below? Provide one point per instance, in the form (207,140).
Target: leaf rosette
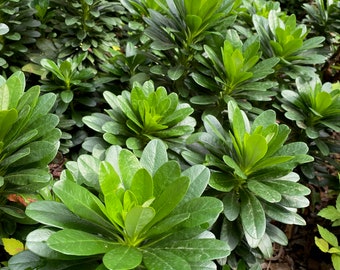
(29,141)
(252,168)
(132,222)
(141,115)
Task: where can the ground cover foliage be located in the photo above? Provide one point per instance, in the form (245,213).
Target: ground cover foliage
(166,134)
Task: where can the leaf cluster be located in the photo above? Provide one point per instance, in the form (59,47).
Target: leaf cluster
(283,37)
(29,141)
(17,32)
(252,170)
(141,115)
(131,222)
(315,108)
(236,72)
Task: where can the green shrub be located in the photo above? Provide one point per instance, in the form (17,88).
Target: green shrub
(29,141)
(132,223)
(252,172)
(143,114)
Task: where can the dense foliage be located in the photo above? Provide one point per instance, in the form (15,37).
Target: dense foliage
(179,134)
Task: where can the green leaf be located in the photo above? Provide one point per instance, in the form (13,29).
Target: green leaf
(36,242)
(193,22)
(167,225)
(52,67)
(264,191)
(25,259)
(79,243)
(165,175)
(176,72)
(176,191)
(199,178)
(128,167)
(136,220)
(328,236)
(276,235)
(81,202)
(7,119)
(231,206)
(252,215)
(198,250)
(142,186)
(155,259)
(220,181)
(122,257)
(66,96)
(203,211)
(321,244)
(154,155)
(282,214)
(336,261)
(57,215)
(255,148)
(287,187)
(28,176)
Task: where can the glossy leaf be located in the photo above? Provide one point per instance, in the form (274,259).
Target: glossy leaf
(74,242)
(252,215)
(122,257)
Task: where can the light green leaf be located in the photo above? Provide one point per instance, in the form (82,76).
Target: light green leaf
(128,166)
(255,148)
(266,246)
(281,214)
(252,215)
(154,155)
(321,244)
(136,220)
(7,119)
(36,242)
(109,180)
(142,186)
(328,236)
(66,96)
(203,211)
(81,202)
(89,167)
(336,261)
(74,242)
(199,178)
(264,191)
(176,191)
(58,215)
(198,250)
(287,187)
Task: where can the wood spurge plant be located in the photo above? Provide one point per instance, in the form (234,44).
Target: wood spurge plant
(252,168)
(143,114)
(131,223)
(169,134)
(29,141)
